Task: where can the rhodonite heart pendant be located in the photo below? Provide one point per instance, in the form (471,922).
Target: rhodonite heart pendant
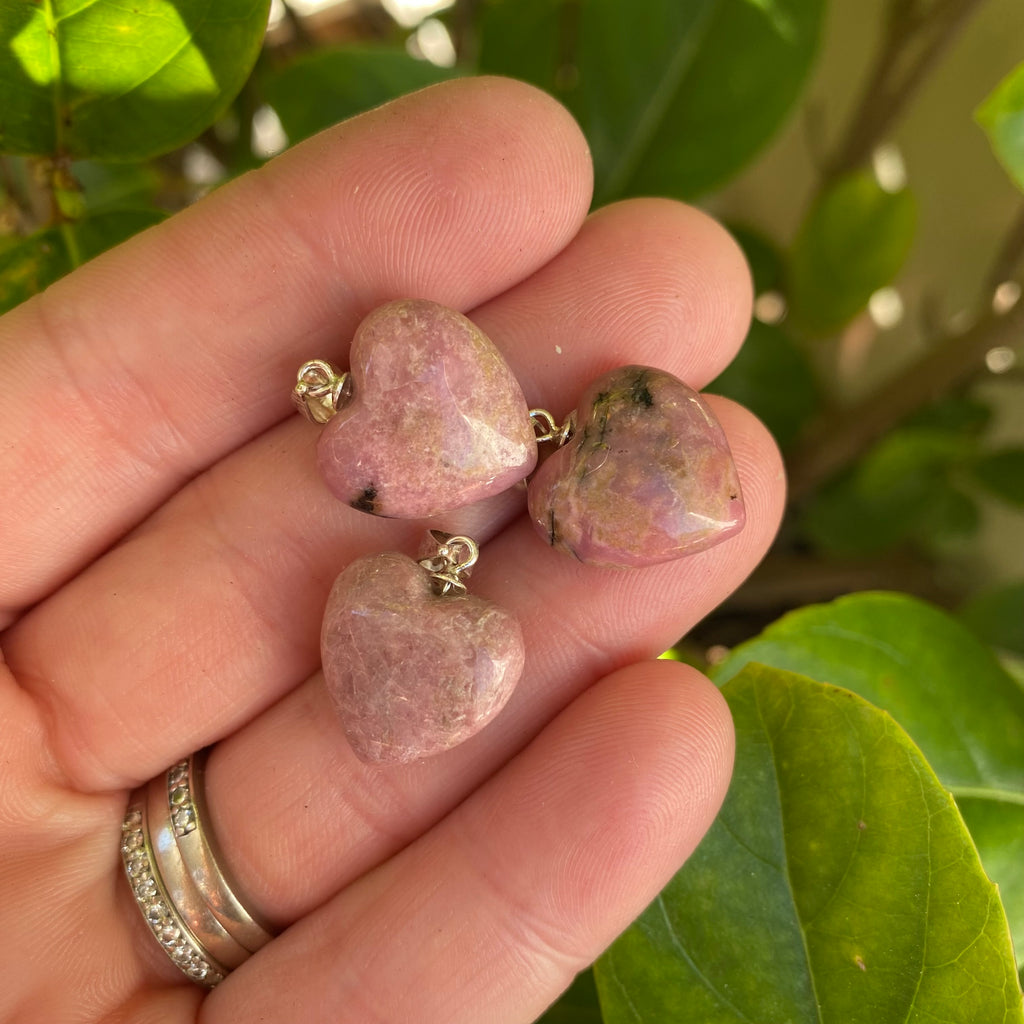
(429,418)
(646,475)
(415,665)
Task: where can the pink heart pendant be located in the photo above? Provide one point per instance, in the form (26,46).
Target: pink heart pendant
(646,476)
(412,672)
(435,419)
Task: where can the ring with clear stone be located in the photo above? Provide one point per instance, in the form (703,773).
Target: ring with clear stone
(175,872)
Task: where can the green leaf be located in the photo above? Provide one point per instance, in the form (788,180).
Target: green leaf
(114,81)
(765,260)
(837,886)
(773,378)
(997,616)
(673,97)
(1002,118)
(902,489)
(913,660)
(32,263)
(123,186)
(951,518)
(578,1004)
(1002,473)
(345,82)
(997,828)
(853,242)
(937,680)
(957,414)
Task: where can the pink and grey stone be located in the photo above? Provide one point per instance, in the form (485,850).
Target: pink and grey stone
(411,672)
(646,477)
(435,421)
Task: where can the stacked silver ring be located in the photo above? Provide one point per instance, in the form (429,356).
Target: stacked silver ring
(175,871)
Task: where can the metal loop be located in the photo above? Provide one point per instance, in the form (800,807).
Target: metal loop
(320,390)
(454,559)
(547,429)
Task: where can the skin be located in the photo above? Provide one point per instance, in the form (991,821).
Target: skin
(168,549)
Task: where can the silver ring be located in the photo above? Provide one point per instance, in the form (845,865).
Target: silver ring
(176,877)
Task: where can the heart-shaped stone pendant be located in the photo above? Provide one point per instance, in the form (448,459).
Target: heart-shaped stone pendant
(431,419)
(413,671)
(646,476)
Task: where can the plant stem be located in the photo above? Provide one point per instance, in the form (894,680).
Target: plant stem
(914,39)
(951,362)
(896,75)
(1009,256)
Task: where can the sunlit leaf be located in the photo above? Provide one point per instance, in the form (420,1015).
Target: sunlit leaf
(673,97)
(938,681)
(837,886)
(853,242)
(30,264)
(116,81)
(997,828)
(344,81)
(1002,117)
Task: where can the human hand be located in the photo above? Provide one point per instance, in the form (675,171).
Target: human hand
(168,545)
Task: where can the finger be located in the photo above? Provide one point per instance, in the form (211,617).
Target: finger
(647,281)
(227,585)
(173,349)
(330,818)
(490,915)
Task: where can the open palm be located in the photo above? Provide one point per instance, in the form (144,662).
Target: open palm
(167,547)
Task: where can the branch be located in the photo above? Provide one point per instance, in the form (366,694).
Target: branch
(952,361)
(1009,256)
(887,91)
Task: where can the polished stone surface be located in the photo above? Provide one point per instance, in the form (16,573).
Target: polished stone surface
(412,673)
(647,476)
(435,421)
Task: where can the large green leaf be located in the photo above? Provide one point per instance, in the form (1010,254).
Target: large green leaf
(1002,117)
(116,81)
(578,1004)
(941,684)
(996,828)
(30,264)
(853,242)
(345,82)
(673,97)
(837,886)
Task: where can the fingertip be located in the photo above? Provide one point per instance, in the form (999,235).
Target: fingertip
(667,725)
(442,190)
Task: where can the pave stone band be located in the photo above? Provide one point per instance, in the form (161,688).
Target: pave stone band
(167,927)
(177,881)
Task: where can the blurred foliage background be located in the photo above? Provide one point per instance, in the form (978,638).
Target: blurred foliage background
(854,147)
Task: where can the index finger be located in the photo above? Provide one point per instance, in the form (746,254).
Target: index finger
(160,357)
